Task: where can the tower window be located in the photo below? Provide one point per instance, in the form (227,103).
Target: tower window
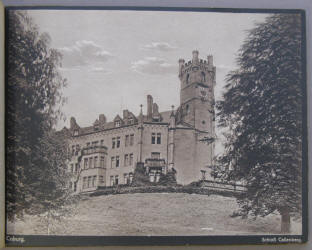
(187,108)
(203,76)
(187,78)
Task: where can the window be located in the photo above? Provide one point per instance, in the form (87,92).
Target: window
(77,149)
(126,179)
(76,132)
(118,142)
(130,121)
(126,162)
(113,142)
(90,162)
(73,149)
(187,108)
(89,181)
(127,141)
(203,76)
(153,138)
(131,160)
(155,155)
(111,180)
(71,168)
(88,144)
(187,78)
(76,168)
(102,163)
(101,179)
(158,138)
(84,183)
(131,139)
(117,161)
(95,161)
(116,180)
(102,142)
(70,185)
(94,181)
(117,123)
(95,143)
(85,163)
(112,162)
(75,186)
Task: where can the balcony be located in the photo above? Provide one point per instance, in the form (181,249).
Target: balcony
(93,150)
(155,163)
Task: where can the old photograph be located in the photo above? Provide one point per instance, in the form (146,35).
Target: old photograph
(155,123)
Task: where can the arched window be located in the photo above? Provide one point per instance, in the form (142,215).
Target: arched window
(203,76)
(187,78)
(187,108)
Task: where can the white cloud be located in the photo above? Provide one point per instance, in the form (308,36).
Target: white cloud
(84,54)
(154,66)
(160,46)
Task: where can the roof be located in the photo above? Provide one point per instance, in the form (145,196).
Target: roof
(110,125)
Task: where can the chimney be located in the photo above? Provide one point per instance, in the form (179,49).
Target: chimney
(125,114)
(102,119)
(73,123)
(149,106)
(210,60)
(155,109)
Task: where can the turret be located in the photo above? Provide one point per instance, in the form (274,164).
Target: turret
(149,107)
(195,57)
(196,94)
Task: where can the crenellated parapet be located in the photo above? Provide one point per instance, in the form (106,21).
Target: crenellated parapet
(197,65)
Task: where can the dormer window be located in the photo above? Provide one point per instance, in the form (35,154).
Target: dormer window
(130,121)
(117,124)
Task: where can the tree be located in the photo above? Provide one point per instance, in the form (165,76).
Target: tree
(262,109)
(33,107)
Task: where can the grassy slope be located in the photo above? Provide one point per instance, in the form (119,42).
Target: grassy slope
(155,214)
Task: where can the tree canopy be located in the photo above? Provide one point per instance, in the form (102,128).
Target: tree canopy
(34,98)
(262,110)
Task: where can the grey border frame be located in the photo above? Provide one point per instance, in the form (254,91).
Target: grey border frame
(181,240)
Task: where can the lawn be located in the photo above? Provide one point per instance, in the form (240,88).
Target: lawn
(154,214)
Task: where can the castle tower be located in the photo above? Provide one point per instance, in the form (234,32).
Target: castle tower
(195,119)
(197,93)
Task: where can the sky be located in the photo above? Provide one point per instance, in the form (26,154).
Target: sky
(113,59)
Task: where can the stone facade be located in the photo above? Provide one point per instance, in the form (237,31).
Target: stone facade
(106,153)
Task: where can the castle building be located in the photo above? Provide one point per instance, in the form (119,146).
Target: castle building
(106,153)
